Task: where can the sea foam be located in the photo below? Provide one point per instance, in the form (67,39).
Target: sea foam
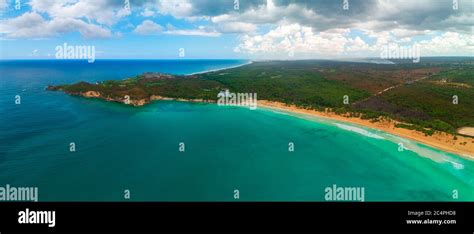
(359,130)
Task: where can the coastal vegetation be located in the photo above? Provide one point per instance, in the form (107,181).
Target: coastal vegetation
(419,95)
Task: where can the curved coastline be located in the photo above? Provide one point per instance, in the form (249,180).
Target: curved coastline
(440,141)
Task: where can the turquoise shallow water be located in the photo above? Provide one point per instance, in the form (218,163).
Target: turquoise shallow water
(226,148)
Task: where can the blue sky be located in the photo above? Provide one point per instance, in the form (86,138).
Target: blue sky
(256,29)
(125,43)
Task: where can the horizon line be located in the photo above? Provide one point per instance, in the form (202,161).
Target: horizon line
(250,59)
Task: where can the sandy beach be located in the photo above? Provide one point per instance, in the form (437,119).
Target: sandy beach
(466,131)
(463,146)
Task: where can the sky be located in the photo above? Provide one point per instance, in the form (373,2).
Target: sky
(243,29)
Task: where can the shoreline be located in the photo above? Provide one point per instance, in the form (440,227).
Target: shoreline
(219,69)
(441,141)
(461,145)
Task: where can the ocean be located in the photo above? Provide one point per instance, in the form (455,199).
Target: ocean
(121,149)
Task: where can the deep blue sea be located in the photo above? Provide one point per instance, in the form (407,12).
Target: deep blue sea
(120,147)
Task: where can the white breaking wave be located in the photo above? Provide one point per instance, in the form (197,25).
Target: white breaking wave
(279,112)
(433,154)
(456,165)
(359,130)
(420,150)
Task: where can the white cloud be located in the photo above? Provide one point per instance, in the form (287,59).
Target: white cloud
(193,32)
(311,28)
(33,25)
(396,21)
(147,12)
(357,45)
(148,27)
(303,42)
(294,38)
(3,5)
(236,27)
(405,33)
(91,18)
(268,15)
(99,10)
(449,43)
(177,8)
